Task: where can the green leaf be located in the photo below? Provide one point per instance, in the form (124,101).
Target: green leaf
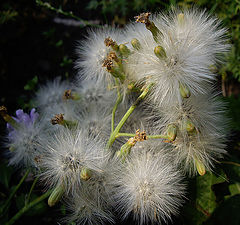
(205,197)
(31,84)
(226,213)
(234,189)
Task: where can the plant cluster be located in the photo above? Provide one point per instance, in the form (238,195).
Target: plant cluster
(141,114)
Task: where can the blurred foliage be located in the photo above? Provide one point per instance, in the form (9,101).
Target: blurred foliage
(36,48)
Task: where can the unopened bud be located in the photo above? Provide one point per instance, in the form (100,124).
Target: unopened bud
(85,173)
(144,18)
(171,132)
(56,195)
(180,17)
(160,52)
(200,167)
(188,125)
(126,149)
(184,91)
(135,43)
(124,50)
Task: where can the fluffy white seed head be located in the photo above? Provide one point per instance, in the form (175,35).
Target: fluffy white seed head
(190,48)
(68,152)
(92,52)
(24,143)
(95,94)
(51,93)
(90,204)
(148,186)
(201,131)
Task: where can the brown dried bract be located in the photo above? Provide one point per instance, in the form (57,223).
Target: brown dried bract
(3,110)
(109,42)
(113,56)
(143,18)
(108,63)
(68,95)
(140,136)
(57,119)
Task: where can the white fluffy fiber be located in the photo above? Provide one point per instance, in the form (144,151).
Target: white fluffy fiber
(207,142)
(92,51)
(191,47)
(148,186)
(68,152)
(51,93)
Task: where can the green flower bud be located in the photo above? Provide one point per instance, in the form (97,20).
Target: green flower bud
(85,173)
(126,149)
(188,125)
(200,167)
(184,91)
(135,43)
(171,132)
(124,50)
(56,195)
(160,52)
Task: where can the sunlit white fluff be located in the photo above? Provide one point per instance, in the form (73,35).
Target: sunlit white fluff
(206,143)
(98,94)
(191,47)
(92,51)
(68,152)
(51,93)
(69,109)
(91,202)
(148,186)
(89,205)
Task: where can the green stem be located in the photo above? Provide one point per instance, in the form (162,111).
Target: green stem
(70,14)
(148,136)
(27,207)
(157,136)
(119,99)
(31,189)
(14,191)
(127,114)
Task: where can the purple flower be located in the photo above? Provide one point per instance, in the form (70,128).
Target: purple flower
(22,119)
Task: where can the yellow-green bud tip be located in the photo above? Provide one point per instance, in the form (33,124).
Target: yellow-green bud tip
(160,52)
(200,167)
(171,132)
(184,91)
(135,43)
(124,50)
(85,174)
(56,195)
(189,126)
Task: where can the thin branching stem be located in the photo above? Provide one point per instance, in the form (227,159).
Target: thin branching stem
(31,189)
(127,114)
(118,101)
(27,207)
(15,190)
(148,136)
(69,14)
